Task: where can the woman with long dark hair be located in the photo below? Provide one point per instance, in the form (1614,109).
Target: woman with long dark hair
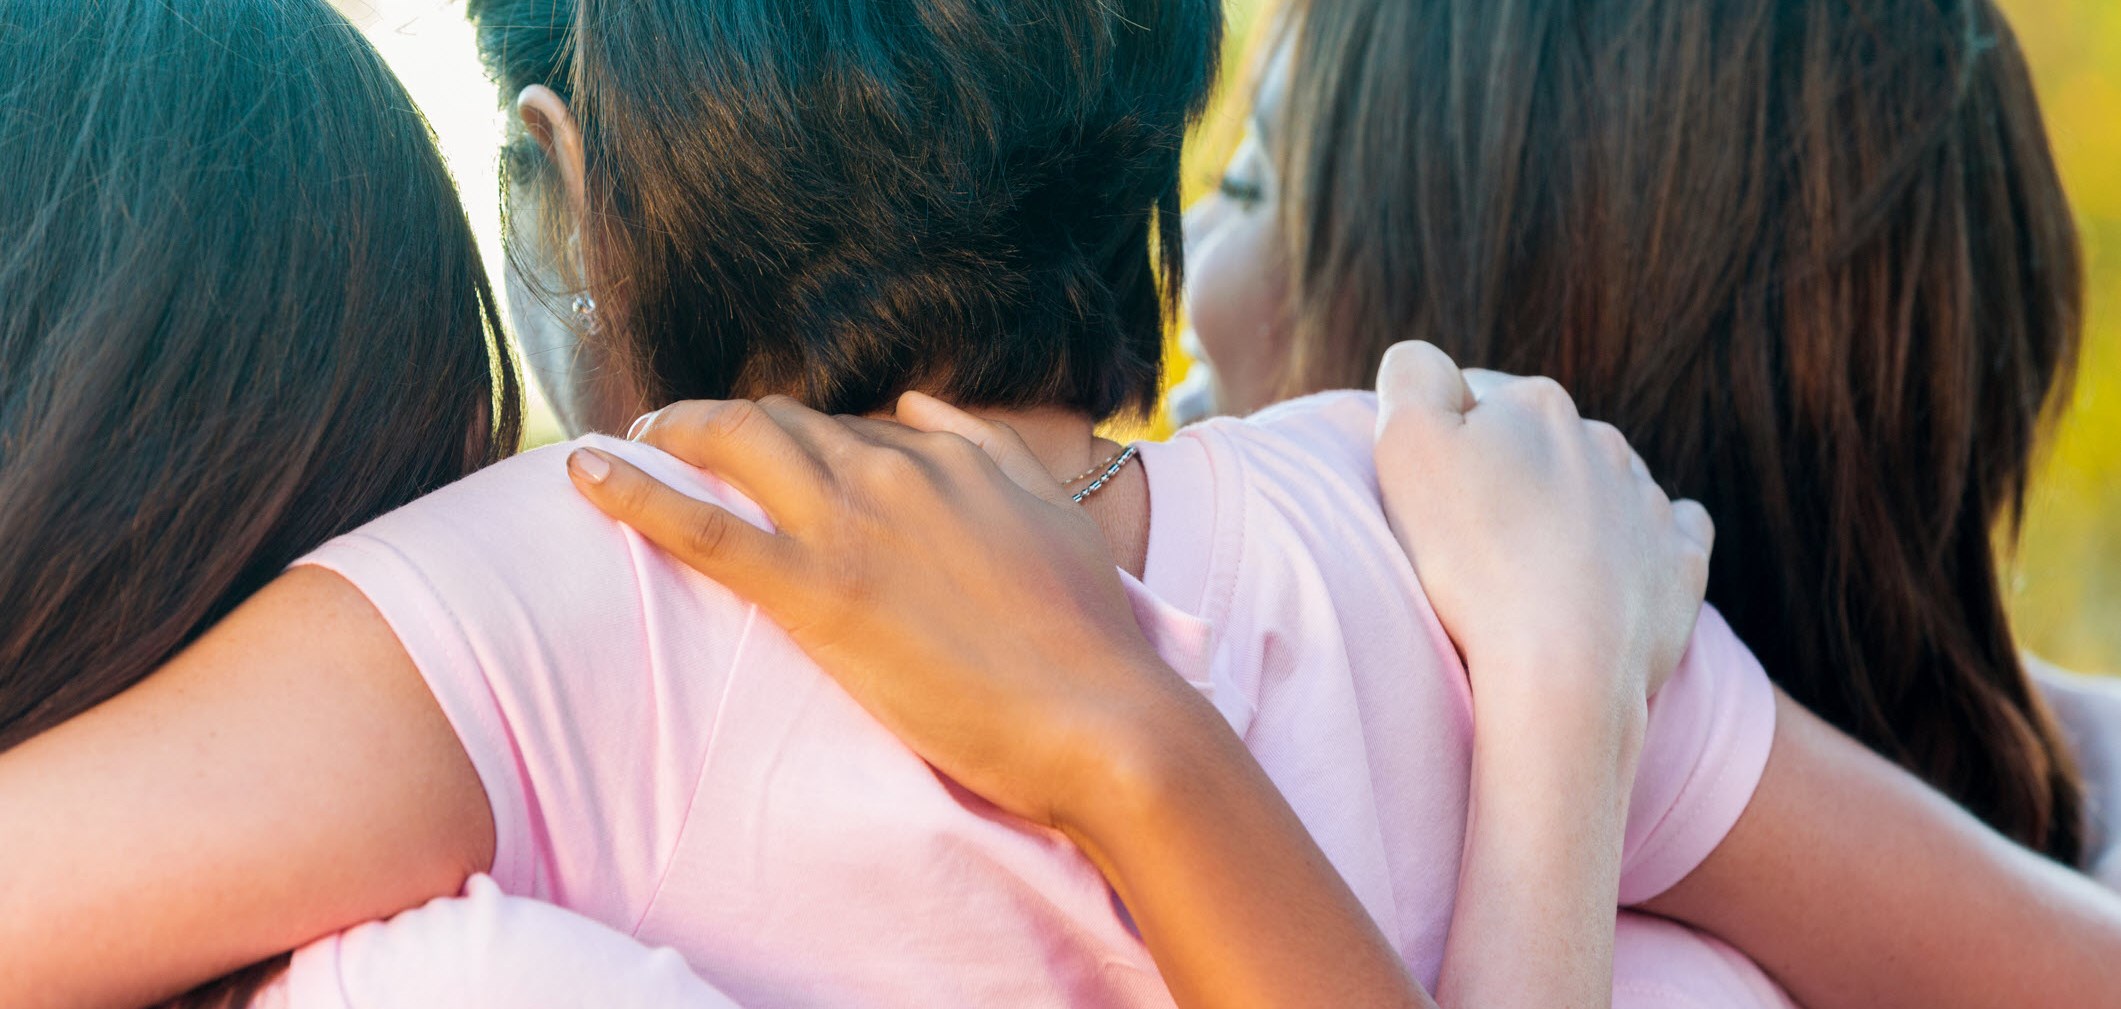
(1812,258)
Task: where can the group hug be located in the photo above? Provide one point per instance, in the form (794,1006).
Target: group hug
(1576,583)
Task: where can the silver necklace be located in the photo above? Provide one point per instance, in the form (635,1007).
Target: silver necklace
(1094,470)
(1112,468)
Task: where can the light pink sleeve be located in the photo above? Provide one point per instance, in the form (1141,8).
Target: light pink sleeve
(485,949)
(580,667)
(1661,964)
(1709,733)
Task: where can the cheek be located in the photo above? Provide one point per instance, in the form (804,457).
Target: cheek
(548,345)
(588,390)
(1236,298)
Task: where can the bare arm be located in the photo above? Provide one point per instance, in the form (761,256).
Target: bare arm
(1571,584)
(286,776)
(1857,886)
(1533,925)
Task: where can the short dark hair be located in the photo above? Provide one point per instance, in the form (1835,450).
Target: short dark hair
(241,312)
(841,201)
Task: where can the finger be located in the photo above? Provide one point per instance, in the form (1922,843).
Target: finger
(750,561)
(1694,523)
(1608,440)
(1483,381)
(1539,394)
(753,447)
(1419,381)
(1002,444)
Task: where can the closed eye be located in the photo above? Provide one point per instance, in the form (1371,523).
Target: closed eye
(1241,190)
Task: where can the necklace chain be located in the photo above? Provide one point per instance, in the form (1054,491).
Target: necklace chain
(1105,475)
(1094,470)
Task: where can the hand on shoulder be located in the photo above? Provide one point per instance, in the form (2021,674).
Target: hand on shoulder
(1540,537)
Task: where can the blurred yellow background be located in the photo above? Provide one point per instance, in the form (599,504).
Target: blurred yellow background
(2067,590)
(2067,572)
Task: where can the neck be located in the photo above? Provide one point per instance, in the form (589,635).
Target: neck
(1066,443)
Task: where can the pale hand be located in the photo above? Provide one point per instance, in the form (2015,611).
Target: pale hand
(1540,537)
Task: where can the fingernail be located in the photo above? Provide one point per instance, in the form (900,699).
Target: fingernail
(640,424)
(588,465)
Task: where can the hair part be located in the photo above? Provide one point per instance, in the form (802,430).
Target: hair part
(1812,256)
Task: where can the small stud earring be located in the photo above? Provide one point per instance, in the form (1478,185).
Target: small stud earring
(585,311)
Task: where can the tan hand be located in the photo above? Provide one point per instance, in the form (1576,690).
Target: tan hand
(934,569)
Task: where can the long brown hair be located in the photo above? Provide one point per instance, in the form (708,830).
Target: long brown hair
(241,312)
(1812,256)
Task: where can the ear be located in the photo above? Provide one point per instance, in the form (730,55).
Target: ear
(552,125)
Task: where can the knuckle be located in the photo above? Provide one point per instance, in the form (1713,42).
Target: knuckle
(1696,517)
(1609,440)
(1414,354)
(709,536)
(731,418)
(1541,396)
(779,405)
(1410,365)
(634,497)
(956,452)
(1548,395)
(888,468)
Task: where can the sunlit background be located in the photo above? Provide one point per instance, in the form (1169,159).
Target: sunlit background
(2067,574)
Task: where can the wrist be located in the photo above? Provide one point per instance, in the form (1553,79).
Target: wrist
(1545,719)
(1541,675)
(1130,762)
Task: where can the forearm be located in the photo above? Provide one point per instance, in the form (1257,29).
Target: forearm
(1855,885)
(1533,923)
(1237,904)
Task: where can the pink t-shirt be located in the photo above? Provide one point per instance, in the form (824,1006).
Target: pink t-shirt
(664,760)
(487,950)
